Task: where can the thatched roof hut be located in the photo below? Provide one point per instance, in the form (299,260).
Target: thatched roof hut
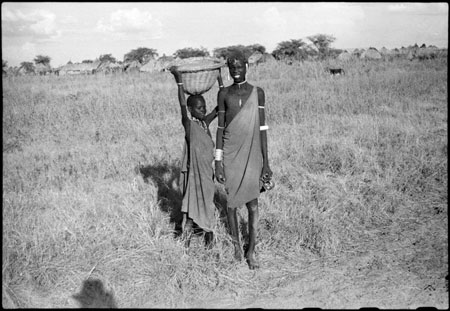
(267,58)
(149,66)
(132,67)
(371,53)
(163,63)
(42,69)
(108,67)
(384,51)
(254,58)
(345,56)
(79,68)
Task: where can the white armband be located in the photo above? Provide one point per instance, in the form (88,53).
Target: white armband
(218,155)
(263,127)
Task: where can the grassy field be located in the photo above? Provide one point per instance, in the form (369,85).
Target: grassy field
(90,196)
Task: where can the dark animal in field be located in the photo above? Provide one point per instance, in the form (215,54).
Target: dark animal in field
(335,72)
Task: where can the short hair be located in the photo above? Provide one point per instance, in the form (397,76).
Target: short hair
(194,98)
(237,55)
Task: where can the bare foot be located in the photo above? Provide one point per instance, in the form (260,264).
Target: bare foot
(252,262)
(238,254)
(209,240)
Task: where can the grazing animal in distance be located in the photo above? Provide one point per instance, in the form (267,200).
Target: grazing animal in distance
(335,72)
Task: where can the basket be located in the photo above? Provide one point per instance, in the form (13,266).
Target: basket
(199,75)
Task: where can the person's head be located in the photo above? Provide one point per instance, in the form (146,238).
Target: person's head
(237,65)
(197,106)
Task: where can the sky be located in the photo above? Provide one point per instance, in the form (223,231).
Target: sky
(77,31)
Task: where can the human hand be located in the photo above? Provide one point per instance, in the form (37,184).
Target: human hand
(266,173)
(174,70)
(219,172)
(266,182)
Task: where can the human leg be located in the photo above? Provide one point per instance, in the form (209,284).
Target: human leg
(253,215)
(187,231)
(234,231)
(209,238)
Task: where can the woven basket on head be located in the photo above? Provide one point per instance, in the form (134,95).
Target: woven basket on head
(199,75)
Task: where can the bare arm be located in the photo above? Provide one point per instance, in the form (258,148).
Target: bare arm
(266,171)
(210,117)
(182,100)
(220,176)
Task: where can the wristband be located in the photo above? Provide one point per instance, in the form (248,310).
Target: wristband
(218,155)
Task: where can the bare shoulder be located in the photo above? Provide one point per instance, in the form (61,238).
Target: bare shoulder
(223,91)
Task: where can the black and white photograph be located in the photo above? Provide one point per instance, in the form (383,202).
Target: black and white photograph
(225,155)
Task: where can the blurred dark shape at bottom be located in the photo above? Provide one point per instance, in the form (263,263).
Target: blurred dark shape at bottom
(93,295)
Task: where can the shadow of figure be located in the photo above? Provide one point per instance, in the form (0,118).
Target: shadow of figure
(166,177)
(93,295)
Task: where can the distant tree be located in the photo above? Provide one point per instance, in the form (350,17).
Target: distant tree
(257,47)
(41,59)
(69,62)
(107,58)
(142,55)
(191,52)
(290,50)
(220,52)
(87,61)
(334,52)
(28,66)
(323,43)
(248,50)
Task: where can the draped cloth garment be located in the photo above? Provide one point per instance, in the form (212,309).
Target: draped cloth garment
(197,178)
(242,156)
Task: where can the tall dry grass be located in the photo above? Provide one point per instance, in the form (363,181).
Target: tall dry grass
(350,155)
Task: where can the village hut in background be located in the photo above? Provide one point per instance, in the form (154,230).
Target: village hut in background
(384,51)
(345,56)
(267,58)
(42,69)
(371,53)
(79,68)
(404,51)
(132,67)
(163,63)
(24,71)
(357,52)
(108,67)
(423,53)
(254,58)
(149,66)
(395,52)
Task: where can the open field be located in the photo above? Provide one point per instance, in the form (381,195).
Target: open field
(358,217)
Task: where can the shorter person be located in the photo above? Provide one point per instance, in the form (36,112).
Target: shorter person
(197,173)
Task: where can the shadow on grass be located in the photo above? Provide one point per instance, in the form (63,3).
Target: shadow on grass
(166,177)
(93,295)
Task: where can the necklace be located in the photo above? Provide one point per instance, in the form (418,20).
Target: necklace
(201,123)
(239,85)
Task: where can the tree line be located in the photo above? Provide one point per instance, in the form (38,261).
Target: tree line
(291,50)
